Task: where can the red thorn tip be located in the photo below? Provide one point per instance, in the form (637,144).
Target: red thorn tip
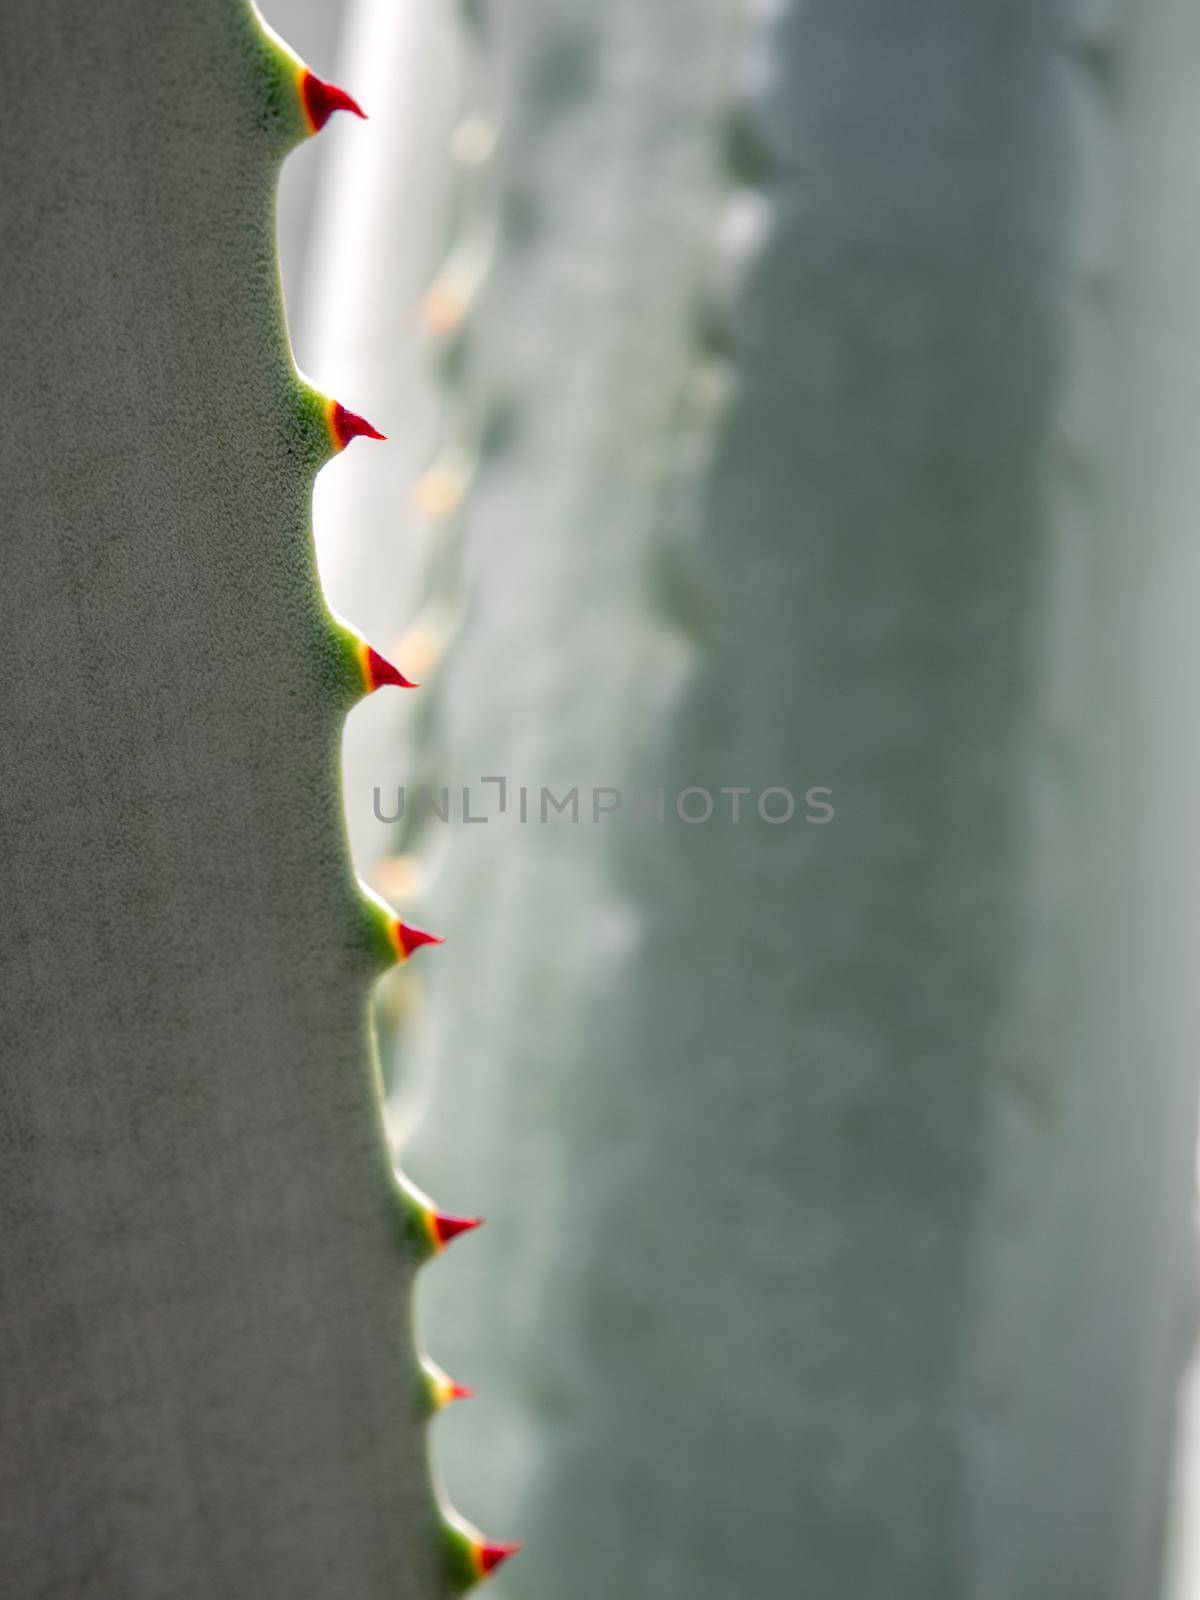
(349,425)
(322,99)
(493,1555)
(410,938)
(459,1391)
(382,672)
(448,1228)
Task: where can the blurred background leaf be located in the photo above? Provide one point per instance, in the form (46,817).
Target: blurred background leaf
(786,395)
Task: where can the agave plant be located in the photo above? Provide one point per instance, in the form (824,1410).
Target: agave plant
(206,1257)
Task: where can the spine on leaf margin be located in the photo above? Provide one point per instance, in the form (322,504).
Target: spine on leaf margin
(324,428)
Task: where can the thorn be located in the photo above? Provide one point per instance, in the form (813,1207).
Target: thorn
(490,1556)
(378,672)
(443,1228)
(346,425)
(434,1229)
(443,1391)
(472,1557)
(322,99)
(406,938)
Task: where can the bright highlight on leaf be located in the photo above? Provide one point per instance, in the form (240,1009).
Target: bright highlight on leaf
(437,493)
(441,310)
(321,99)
